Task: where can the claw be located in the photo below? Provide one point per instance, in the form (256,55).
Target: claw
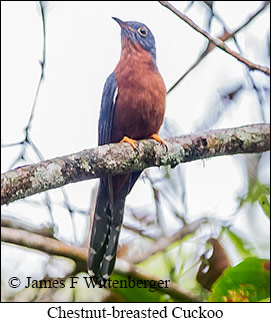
(157,138)
(130,141)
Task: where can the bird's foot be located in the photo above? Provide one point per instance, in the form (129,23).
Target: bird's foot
(130,141)
(157,138)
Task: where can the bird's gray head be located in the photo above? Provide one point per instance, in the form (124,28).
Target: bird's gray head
(139,33)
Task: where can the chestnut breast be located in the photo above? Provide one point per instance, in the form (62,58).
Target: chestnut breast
(140,105)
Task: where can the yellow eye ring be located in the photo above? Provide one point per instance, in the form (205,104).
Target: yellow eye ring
(142,31)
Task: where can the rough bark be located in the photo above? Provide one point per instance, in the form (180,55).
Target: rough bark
(120,158)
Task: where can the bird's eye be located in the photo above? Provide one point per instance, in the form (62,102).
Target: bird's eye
(142,31)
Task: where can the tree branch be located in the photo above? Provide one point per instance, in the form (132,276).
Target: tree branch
(120,158)
(79,255)
(12,222)
(224,37)
(50,246)
(218,42)
(164,242)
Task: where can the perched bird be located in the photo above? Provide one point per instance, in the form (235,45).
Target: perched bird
(132,108)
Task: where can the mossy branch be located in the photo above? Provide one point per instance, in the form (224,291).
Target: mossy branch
(120,158)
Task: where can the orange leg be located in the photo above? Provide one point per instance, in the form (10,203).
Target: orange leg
(157,138)
(130,141)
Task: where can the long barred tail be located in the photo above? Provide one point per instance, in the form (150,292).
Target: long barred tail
(105,232)
(106,227)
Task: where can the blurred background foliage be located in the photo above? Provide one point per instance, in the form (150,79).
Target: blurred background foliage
(152,237)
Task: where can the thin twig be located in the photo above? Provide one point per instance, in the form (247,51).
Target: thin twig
(42,64)
(164,242)
(26,139)
(139,231)
(250,18)
(219,42)
(254,87)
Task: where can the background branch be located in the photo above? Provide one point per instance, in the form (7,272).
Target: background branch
(120,158)
(217,42)
(79,255)
(49,245)
(164,242)
(224,37)
(46,230)
(185,206)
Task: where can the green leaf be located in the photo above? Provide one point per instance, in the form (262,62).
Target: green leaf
(249,281)
(242,246)
(263,200)
(256,189)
